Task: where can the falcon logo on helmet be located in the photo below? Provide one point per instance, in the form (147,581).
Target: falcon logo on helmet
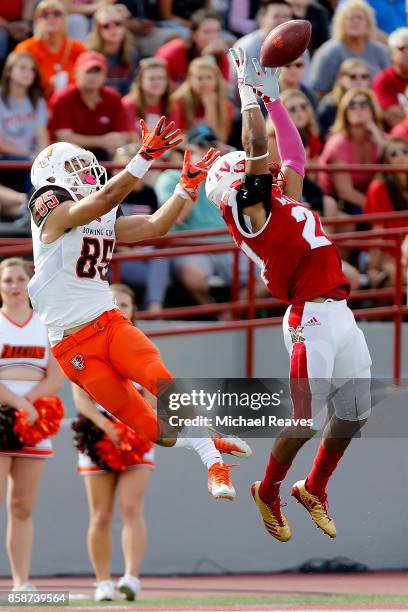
(66,165)
(226,170)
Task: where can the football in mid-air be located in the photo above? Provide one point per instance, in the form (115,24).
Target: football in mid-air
(285,43)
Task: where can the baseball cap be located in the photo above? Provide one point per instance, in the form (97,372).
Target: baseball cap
(91,59)
(201,135)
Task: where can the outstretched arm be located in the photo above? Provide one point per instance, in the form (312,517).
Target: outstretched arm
(254,137)
(74,214)
(291,151)
(136,228)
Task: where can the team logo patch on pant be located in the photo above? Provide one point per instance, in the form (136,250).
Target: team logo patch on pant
(297,334)
(78,362)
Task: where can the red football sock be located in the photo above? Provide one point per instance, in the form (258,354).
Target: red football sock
(323,467)
(270,485)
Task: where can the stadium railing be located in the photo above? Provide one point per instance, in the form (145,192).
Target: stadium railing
(243,312)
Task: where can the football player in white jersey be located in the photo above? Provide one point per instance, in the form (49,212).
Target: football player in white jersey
(75,223)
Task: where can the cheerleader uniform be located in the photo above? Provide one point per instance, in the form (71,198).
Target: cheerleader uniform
(87,466)
(25,346)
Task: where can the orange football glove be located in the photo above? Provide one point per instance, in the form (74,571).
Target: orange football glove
(192,175)
(156,142)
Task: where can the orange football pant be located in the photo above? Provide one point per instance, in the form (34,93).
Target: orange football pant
(104,357)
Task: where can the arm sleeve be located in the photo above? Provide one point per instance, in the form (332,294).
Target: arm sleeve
(44,200)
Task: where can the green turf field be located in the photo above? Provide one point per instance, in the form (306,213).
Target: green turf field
(277,598)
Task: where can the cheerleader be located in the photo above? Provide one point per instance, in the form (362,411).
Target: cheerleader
(27,371)
(102,486)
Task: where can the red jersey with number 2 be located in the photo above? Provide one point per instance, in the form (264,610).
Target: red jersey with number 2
(298,261)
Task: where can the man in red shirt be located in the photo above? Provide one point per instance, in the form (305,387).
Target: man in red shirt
(389,84)
(88,114)
(15,24)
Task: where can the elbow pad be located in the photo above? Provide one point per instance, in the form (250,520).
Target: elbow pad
(256,188)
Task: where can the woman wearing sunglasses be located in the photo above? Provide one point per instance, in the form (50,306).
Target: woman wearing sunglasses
(387,193)
(111,37)
(356,139)
(354,35)
(353,72)
(53,51)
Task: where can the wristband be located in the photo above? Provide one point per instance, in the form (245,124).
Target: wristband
(259,157)
(248,98)
(138,166)
(181,192)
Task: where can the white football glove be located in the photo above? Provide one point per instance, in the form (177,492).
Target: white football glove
(244,67)
(264,81)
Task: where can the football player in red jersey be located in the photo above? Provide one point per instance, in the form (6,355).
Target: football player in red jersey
(301,266)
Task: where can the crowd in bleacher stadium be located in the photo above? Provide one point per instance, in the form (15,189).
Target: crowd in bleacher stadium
(85,72)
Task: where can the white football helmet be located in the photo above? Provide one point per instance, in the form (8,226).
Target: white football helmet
(223,173)
(67,165)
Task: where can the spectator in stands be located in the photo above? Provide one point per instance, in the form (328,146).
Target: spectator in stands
(22,382)
(23,116)
(205,39)
(270,15)
(111,37)
(352,73)
(318,17)
(291,78)
(389,14)
(176,14)
(151,274)
(194,271)
(103,487)
(54,53)
(353,36)
(23,112)
(356,139)
(149,96)
(13,204)
(141,20)
(242,16)
(89,114)
(202,98)
(390,83)
(401,129)
(387,193)
(80,14)
(15,24)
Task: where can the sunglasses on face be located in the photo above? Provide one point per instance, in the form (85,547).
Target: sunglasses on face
(359,104)
(295,65)
(396,152)
(111,24)
(297,107)
(353,76)
(51,14)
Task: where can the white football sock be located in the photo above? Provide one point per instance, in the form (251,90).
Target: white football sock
(201,442)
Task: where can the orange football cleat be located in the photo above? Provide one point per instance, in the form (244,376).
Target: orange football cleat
(219,482)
